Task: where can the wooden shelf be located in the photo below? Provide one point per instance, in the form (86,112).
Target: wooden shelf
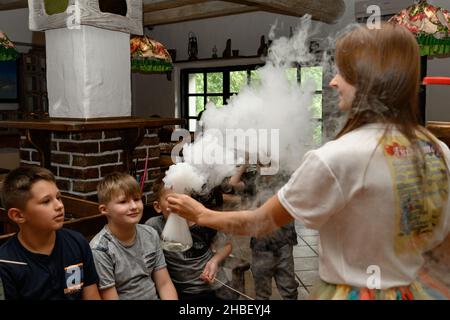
(77,125)
(219,59)
(38,132)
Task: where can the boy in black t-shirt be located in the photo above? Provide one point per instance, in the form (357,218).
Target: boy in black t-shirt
(195,271)
(45,261)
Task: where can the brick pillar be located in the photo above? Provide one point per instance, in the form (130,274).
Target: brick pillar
(81,159)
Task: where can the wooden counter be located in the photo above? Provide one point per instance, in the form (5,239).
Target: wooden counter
(38,132)
(77,125)
(440,129)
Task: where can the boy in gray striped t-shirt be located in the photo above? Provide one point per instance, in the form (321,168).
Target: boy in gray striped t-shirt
(127,255)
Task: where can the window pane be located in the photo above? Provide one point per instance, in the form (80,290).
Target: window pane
(192,106)
(255,79)
(238,79)
(317,135)
(192,124)
(291,74)
(200,106)
(217,100)
(196,83)
(316,108)
(314,73)
(196,105)
(215,82)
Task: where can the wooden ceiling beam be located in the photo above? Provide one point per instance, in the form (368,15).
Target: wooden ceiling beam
(155,5)
(204,10)
(11,5)
(328,11)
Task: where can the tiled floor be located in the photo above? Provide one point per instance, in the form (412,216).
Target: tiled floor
(305,259)
(305,256)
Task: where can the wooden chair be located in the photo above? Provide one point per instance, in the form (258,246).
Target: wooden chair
(83,216)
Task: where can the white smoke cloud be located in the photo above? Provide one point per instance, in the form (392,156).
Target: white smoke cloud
(273,104)
(184,178)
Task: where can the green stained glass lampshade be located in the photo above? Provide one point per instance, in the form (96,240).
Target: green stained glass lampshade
(430,25)
(430,46)
(7,50)
(149,65)
(149,55)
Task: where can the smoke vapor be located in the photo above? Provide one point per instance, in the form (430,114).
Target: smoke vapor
(183,178)
(271,119)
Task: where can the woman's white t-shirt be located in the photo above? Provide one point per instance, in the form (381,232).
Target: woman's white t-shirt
(362,195)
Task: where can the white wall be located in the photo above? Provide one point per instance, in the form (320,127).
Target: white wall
(15,24)
(245,31)
(438,97)
(152,95)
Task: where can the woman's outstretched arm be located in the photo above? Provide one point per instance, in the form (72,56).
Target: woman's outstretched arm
(261,221)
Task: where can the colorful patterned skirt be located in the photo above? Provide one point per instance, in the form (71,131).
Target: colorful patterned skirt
(425,288)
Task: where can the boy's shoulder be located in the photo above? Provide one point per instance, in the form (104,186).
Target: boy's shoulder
(71,235)
(65,236)
(156,222)
(101,240)
(10,247)
(155,219)
(147,230)
(71,241)
(104,241)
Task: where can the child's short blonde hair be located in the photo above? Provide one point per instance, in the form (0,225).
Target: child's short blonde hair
(16,188)
(115,184)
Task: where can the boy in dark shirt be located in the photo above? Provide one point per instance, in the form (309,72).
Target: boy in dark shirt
(193,272)
(46,261)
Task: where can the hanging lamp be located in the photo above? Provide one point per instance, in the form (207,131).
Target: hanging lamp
(149,55)
(430,24)
(8,51)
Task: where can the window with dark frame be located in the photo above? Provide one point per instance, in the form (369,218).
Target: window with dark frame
(218,84)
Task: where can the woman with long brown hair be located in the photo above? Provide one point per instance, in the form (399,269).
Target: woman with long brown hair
(378,193)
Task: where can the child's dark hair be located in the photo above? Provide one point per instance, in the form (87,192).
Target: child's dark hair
(117,183)
(158,187)
(16,188)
